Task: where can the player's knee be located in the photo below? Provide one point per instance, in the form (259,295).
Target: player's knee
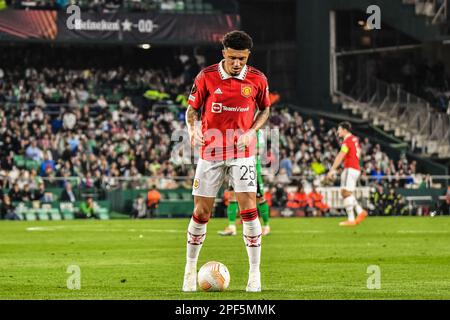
(201,213)
(246,200)
(345,193)
(247,204)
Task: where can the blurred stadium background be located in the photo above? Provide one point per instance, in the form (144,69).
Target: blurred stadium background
(87,110)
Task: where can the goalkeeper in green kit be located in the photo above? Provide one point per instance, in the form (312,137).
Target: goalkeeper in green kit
(263,207)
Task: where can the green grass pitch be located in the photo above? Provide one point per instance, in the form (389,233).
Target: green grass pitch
(303,258)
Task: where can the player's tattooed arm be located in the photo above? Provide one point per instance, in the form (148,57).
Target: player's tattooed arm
(194,126)
(261,119)
(192,115)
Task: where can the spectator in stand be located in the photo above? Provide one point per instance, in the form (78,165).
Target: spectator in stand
(376,201)
(15,194)
(7,209)
(153,199)
(286,163)
(47,166)
(394,204)
(377,174)
(22,179)
(139,208)
(320,208)
(68,195)
(26,194)
(386,203)
(282,177)
(279,196)
(34,180)
(300,202)
(33,152)
(87,210)
(38,195)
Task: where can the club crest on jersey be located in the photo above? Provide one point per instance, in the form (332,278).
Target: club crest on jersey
(196,183)
(246,90)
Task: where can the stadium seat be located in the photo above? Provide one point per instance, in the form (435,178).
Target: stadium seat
(67,214)
(187,196)
(189,8)
(31,164)
(198,7)
(19,161)
(54,214)
(179,6)
(30,215)
(67,210)
(208,8)
(55,191)
(173,196)
(42,214)
(103,213)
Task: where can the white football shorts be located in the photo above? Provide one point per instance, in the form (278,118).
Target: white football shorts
(349,178)
(209,176)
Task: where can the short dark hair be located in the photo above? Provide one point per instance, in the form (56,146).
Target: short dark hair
(238,40)
(345,125)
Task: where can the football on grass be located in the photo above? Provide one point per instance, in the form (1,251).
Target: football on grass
(213,276)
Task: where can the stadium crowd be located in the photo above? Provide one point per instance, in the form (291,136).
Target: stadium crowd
(101,137)
(107,127)
(94,124)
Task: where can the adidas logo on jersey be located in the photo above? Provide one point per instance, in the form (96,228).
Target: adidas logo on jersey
(218,91)
(251,184)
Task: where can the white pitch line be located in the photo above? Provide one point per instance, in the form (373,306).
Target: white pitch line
(55,228)
(85,229)
(161,230)
(41,229)
(423,232)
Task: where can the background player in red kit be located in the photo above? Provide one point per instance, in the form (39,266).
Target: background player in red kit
(226,96)
(350,154)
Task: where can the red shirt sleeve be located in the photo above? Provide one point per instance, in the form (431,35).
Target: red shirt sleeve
(262,97)
(197,97)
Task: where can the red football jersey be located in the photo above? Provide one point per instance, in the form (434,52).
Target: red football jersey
(350,147)
(229,104)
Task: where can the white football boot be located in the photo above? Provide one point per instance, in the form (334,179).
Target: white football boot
(190,279)
(254,282)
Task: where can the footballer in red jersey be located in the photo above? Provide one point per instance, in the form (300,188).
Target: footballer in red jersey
(228,103)
(350,155)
